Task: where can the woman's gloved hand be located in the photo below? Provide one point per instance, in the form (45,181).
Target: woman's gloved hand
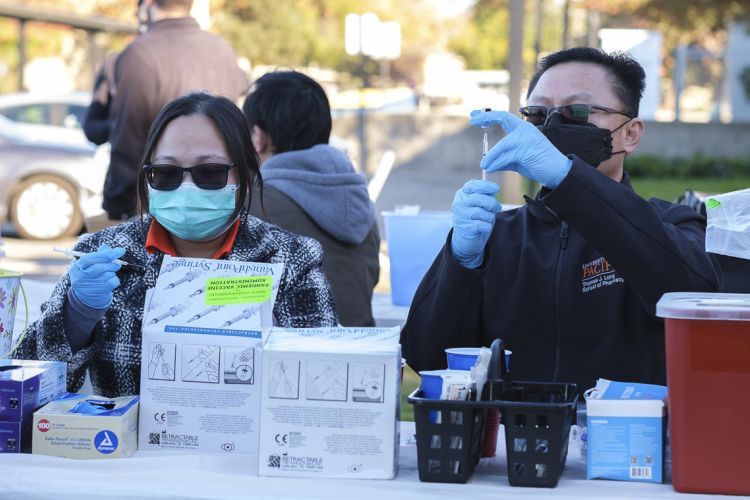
(524,150)
(92,277)
(474,208)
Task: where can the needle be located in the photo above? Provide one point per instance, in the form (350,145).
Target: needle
(75,253)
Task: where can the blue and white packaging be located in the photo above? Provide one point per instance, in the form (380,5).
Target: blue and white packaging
(25,386)
(83,426)
(627,424)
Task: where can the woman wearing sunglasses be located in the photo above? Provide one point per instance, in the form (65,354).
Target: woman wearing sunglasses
(195,181)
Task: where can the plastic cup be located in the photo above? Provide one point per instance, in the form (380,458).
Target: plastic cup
(432,383)
(432,388)
(462,358)
(491,428)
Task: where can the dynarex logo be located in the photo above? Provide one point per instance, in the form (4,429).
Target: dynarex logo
(105,442)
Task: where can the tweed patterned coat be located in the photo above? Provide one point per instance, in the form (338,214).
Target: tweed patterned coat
(114,357)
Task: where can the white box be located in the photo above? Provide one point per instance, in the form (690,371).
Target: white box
(203,332)
(626,431)
(83,426)
(330,403)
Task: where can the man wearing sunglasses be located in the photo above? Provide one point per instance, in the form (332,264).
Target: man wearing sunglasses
(569,281)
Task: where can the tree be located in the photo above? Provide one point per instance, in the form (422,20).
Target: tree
(688,22)
(688,19)
(306,32)
(484,43)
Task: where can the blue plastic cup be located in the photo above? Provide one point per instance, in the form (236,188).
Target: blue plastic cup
(432,383)
(462,358)
(432,388)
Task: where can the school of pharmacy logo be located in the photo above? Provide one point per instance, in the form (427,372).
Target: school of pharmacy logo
(105,442)
(43,425)
(597,274)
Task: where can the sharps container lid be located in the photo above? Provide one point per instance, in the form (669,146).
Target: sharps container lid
(704,306)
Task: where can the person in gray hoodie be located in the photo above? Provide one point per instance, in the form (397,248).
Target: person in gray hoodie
(312,189)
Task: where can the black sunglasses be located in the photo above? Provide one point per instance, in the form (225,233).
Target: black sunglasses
(205,175)
(573,113)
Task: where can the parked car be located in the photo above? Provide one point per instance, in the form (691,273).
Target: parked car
(51,176)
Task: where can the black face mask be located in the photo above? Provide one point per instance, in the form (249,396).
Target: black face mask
(588,142)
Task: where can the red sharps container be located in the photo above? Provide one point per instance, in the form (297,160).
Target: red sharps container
(708,375)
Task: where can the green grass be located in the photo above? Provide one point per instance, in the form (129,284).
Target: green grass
(408,384)
(670,188)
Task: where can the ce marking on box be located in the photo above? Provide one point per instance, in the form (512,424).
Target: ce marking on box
(160,417)
(282,439)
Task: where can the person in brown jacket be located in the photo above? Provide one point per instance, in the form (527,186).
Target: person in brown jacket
(172,58)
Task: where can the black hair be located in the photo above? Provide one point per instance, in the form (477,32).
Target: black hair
(629,79)
(291,108)
(233,128)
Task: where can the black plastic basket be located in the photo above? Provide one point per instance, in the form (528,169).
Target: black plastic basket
(537,418)
(449,437)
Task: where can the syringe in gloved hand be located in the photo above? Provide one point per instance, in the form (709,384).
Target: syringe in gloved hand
(485,145)
(75,253)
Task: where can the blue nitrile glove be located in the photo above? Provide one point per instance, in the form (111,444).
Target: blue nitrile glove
(524,150)
(474,208)
(92,277)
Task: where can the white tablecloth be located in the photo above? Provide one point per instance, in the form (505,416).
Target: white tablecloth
(168,475)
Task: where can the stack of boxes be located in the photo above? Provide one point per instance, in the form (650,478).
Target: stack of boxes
(25,386)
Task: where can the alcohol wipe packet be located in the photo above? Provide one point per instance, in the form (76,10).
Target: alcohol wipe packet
(728,227)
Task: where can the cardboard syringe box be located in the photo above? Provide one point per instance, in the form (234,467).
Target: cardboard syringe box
(25,386)
(83,426)
(330,403)
(203,332)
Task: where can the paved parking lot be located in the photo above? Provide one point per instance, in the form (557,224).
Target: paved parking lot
(35,259)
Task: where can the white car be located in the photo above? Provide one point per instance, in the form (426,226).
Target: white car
(51,176)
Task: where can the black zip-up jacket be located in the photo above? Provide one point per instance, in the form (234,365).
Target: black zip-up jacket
(570,283)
